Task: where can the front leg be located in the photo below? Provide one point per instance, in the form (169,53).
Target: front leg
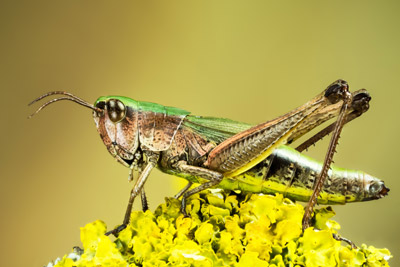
(213,177)
(152,159)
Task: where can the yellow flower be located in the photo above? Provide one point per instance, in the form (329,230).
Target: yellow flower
(225,229)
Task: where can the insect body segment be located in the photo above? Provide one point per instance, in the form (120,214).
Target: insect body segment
(293,174)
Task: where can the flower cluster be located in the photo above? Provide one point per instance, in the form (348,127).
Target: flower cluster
(224,229)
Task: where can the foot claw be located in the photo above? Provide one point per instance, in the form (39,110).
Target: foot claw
(116,231)
(185,215)
(183,207)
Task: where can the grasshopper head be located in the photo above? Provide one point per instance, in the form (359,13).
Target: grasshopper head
(116,121)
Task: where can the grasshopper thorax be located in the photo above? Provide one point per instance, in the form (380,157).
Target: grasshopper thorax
(127,126)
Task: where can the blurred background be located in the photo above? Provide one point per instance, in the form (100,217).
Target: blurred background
(247,61)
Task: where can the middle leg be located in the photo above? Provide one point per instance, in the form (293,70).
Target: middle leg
(213,177)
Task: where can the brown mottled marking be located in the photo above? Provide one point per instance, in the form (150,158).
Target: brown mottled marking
(101,128)
(156,130)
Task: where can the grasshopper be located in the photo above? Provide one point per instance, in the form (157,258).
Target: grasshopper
(216,152)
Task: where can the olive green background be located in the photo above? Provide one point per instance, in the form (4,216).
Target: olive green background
(245,60)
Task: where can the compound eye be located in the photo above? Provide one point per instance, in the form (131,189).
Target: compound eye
(116,110)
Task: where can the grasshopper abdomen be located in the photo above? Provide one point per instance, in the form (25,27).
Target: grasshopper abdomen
(293,174)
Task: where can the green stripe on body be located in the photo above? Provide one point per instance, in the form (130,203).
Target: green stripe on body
(248,183)
(145,106)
